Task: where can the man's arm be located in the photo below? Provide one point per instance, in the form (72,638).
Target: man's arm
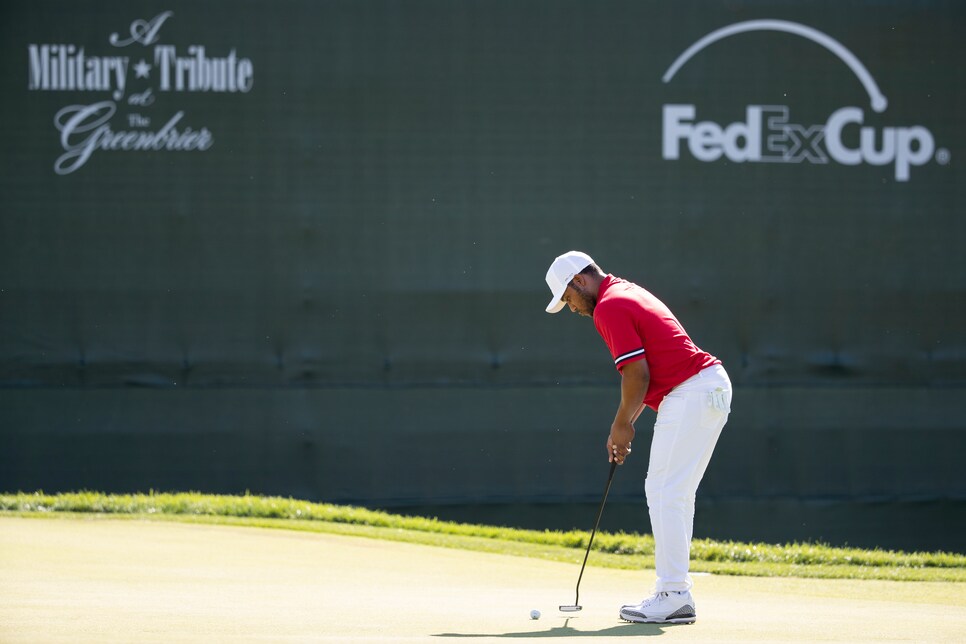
(635,377)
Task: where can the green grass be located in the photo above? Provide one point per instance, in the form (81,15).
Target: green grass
(618,550)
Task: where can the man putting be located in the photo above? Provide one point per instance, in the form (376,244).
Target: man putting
(661,368)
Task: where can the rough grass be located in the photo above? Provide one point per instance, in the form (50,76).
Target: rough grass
(622,550)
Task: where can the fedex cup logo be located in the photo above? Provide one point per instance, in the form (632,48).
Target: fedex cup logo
(767,135)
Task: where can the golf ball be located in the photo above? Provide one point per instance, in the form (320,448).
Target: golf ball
(534,614)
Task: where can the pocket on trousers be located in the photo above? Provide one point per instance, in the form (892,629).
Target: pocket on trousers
(717,404)
(670,413)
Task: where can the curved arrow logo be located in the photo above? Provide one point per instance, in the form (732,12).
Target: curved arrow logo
(876,98)
(768,133)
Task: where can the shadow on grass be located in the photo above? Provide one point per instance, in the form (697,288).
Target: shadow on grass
(622,630)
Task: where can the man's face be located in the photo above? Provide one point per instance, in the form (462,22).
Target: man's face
(579,299)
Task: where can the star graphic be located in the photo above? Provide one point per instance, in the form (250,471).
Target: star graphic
(142,69)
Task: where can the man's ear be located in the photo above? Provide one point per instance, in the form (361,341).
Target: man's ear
(580,280)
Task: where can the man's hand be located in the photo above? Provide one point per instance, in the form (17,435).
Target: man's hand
(619,442)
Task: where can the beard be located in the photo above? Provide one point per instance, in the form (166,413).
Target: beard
(586,302)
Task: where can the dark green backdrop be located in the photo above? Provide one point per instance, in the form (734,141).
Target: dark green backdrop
(341,297)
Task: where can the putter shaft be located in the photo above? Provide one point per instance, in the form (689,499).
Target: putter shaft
(576,605)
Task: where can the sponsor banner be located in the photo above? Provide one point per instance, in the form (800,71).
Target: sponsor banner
(244,230)
(138,73)
(768,133)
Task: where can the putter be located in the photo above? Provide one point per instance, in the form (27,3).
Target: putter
(573,608)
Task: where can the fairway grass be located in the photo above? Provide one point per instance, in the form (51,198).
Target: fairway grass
(620,550)
(105,578)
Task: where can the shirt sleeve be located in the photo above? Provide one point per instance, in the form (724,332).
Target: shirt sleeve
(617,327)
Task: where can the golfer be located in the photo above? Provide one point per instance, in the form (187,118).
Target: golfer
(661,368)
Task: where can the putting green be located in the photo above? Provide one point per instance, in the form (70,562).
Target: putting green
(109,580)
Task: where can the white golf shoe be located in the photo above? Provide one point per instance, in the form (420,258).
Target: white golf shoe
(662,608)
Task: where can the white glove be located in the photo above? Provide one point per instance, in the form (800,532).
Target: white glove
(719,400)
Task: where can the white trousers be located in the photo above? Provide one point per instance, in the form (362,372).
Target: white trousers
(685,433)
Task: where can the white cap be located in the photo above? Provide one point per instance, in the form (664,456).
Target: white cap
(561,272)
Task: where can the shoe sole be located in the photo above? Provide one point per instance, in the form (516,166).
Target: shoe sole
(639,618)
(648,620)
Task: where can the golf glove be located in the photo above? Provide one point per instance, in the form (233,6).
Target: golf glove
(719,400)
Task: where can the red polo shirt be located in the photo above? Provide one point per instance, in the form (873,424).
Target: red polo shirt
(637,325)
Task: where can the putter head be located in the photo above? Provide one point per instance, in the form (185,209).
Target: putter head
(573,608)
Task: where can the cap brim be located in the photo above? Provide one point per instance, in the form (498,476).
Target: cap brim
(556,305)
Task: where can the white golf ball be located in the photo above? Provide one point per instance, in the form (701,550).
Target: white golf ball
(534,614)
